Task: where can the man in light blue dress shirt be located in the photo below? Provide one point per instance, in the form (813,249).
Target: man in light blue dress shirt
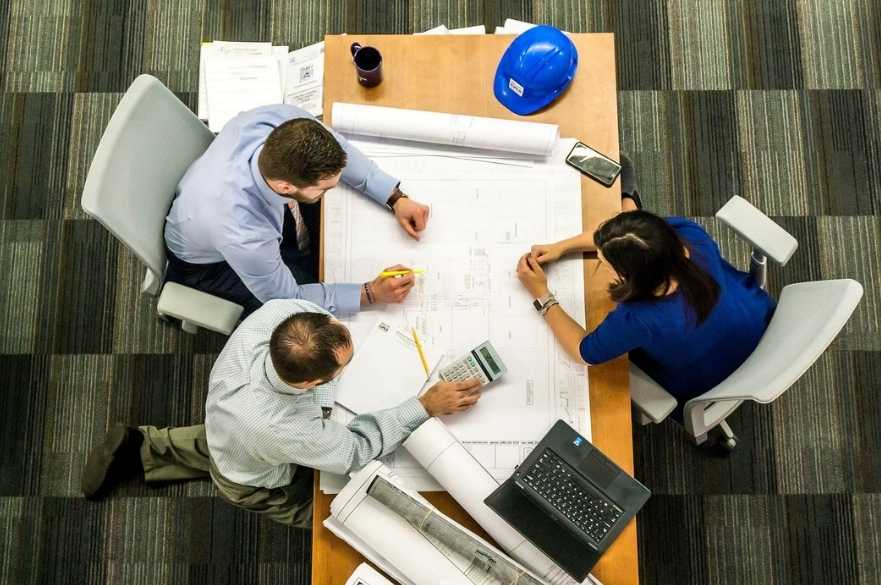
(243,225)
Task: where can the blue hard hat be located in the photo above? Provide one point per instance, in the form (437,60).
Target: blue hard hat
(535,69)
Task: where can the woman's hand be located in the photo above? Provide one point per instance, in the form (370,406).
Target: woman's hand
(545,253)
(532,276)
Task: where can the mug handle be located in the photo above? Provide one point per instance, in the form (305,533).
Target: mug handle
(355,48)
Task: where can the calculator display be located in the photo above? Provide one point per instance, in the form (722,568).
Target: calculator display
(481,363)
(488,358)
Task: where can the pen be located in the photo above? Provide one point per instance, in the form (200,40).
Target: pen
(421,352)
(389,273)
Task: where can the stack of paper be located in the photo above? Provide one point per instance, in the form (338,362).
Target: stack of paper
(235,77)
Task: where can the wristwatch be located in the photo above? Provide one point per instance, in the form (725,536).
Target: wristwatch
(541,302)
(394,199)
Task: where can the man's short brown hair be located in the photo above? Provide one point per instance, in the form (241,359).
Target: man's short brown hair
(302,152)
(306,346)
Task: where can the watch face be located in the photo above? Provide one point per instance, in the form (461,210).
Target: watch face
(537,304)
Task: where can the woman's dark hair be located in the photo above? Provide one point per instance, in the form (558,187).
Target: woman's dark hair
(305,347)
(648,255)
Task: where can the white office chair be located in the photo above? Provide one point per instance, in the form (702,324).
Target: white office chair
(808,317)
(147,147)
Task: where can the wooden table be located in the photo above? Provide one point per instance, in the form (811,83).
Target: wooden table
(454,74)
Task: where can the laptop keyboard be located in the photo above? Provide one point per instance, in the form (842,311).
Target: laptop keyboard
(562,488)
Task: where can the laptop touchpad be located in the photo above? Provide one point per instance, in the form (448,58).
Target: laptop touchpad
(602,472)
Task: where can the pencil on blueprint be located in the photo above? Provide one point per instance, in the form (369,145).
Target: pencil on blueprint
(421,353)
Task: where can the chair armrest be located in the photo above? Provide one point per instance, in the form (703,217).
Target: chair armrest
(198,308)
(758,229)
(649,397)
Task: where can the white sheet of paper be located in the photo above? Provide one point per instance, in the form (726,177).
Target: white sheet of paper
(228,48)
(385,370)
(304,78)
(483,133)
(438,30)
(469,30)
(239,83)
(364,574)
(280,53)
(515,27)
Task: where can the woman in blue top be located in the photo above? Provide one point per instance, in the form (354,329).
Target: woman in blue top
(686,316)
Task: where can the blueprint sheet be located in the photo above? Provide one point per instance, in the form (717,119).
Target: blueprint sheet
(484,215)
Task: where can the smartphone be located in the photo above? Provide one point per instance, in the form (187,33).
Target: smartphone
(594,164)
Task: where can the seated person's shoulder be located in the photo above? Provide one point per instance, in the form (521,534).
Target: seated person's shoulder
(272,115)
(688,229)
(697,238)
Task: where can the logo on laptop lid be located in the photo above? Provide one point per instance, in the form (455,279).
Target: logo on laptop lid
(578,441)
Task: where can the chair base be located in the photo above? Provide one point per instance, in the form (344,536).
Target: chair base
(727,442)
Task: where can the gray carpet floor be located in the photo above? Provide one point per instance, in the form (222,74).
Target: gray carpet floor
(776,100)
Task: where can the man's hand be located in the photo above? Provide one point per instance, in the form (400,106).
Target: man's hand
(412,215)
(450,397)
(545,253)
(392,289)
(532,277)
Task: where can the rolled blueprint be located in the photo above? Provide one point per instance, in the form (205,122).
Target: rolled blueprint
(484,561)
(401,532)
(494,134)
(462,476)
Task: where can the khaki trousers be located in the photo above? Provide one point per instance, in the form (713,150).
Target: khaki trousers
(171,454)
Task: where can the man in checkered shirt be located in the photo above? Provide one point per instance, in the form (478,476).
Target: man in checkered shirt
(266,419)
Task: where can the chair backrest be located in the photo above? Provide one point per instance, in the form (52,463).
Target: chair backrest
(147,147)
(809,316)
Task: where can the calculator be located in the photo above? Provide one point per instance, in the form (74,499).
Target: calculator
(482,363)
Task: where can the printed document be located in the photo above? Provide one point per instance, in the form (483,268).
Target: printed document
(304,78)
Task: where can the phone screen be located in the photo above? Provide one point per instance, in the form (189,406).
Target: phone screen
(593,164)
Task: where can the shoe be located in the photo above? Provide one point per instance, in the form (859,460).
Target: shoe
(118,457)
(629,188)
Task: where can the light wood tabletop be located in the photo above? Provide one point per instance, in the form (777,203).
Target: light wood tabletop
(454,74)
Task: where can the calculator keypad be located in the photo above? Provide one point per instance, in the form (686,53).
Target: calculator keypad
(463,369)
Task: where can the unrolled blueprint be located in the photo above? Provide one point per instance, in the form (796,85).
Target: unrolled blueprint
(479,227)
(484,216)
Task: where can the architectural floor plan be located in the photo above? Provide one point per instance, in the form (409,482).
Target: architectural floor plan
(484,216)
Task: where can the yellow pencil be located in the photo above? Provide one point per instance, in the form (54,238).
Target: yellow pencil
(421,353)
(389,273)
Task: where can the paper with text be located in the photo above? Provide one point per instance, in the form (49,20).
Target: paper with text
(304,78)
(239,83)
